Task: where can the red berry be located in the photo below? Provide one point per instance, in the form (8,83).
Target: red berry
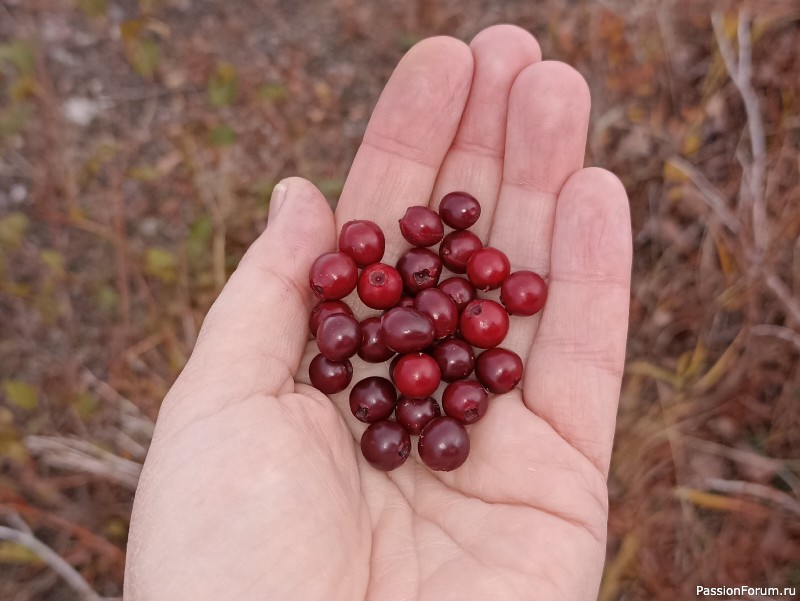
(324,309)
(440,309)
(459,210)
(484,323)
(487,268)
(456,249)
(443,444)
(459,290)
(393,364)
(416,375)
(339,336)
(373,399)
(465,400)
(499,370)
(454,358)
(406,301)
(523,293)
(330,376)
(385,445)
(421,226)
(333,275)
(405,330)
(414,414)
(420,268)
(363,241)
(380,286)
(373,350)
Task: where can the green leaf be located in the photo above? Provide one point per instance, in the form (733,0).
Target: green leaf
(12,229)
(21,394)
(222,135)
(92,8)
(21,54)
(272,92)
(86,404)
(54,261)
(142,52)
(161,264)
(198,243)
(15,118)
(223,85)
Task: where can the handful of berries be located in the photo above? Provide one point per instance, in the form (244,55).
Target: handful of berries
(428,329)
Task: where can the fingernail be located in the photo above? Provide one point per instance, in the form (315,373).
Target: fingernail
(277,199)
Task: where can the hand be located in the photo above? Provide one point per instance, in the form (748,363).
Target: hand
(255,487)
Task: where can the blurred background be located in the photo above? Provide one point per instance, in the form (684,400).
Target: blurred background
(139,142)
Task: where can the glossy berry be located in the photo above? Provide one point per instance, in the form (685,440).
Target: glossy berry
(459,210)
(405,330)
(405,301)
(454,358)
(372,349)
(324,309)
(487,268)
(523,293)
(330,376)
(363,241)
(385,445)
(420,268)
(421,226)
(484,323)
(333,276)
(373,399)
(416,375)
(499,370)
(393,364)
(414,414)
(440,309)
(380,286)
(465,400)
(339,336)
(460,291)
(456,249)
(443,444)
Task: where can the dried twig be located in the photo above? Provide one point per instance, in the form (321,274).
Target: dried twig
(784,295)
(713,197)
(781,332)
(760,491)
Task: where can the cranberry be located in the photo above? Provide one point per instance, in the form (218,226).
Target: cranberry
(459,290)
(373,350)
(523,293)
(385,445)
(465,400)
(440,309)
(421,226)
(324,309)
(456,249)
(487,268)
(333,275)
(339,336)
(406,301)
(484,323)
(380,286)
(405,330)
(330,376)
(459,210)
(455,359)
(420,268)
(393,364)
(416,375)
(414,414)
(499,370)
(363,241)
(373,399)
(443,444)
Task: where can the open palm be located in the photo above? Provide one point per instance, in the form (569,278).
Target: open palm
(255,488)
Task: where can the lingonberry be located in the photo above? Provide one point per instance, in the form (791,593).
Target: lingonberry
(459,210)
(498,369)
(414,414)
(380,286)
(523,293)
(420,268)
(405,301)
(487,268)
(465,400)
(405,330)
(416,375)
(333,275)
(330,376)
(324,309)
(440,309)
(421,226)
(372,349)
(454,358)
(363,241)
(483,323)
(339,336)
(385,445)
(443,444)
(456,249)
(373,399)
(459,290)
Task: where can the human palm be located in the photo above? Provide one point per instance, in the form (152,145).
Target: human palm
(255,488)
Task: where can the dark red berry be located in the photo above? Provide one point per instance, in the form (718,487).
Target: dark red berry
(523,293)
(333,276)
(456,249)
(406,301)
(330,376)
(324,309)
(380,286)
(465,400)
(405,330)
(339,336)
(484,323)
(487,268)
(443,444)
(459,290)
(440,309)
(385,445)
(421,226)
(363,241)
(454,358)
(416,375)
(373,350)
(499,370)
(373,399)
(459,210)
(393,364)
(414,414)
(420,268)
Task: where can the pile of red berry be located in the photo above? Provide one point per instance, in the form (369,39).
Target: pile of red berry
(429,332)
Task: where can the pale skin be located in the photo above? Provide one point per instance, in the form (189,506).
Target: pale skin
(255,487)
